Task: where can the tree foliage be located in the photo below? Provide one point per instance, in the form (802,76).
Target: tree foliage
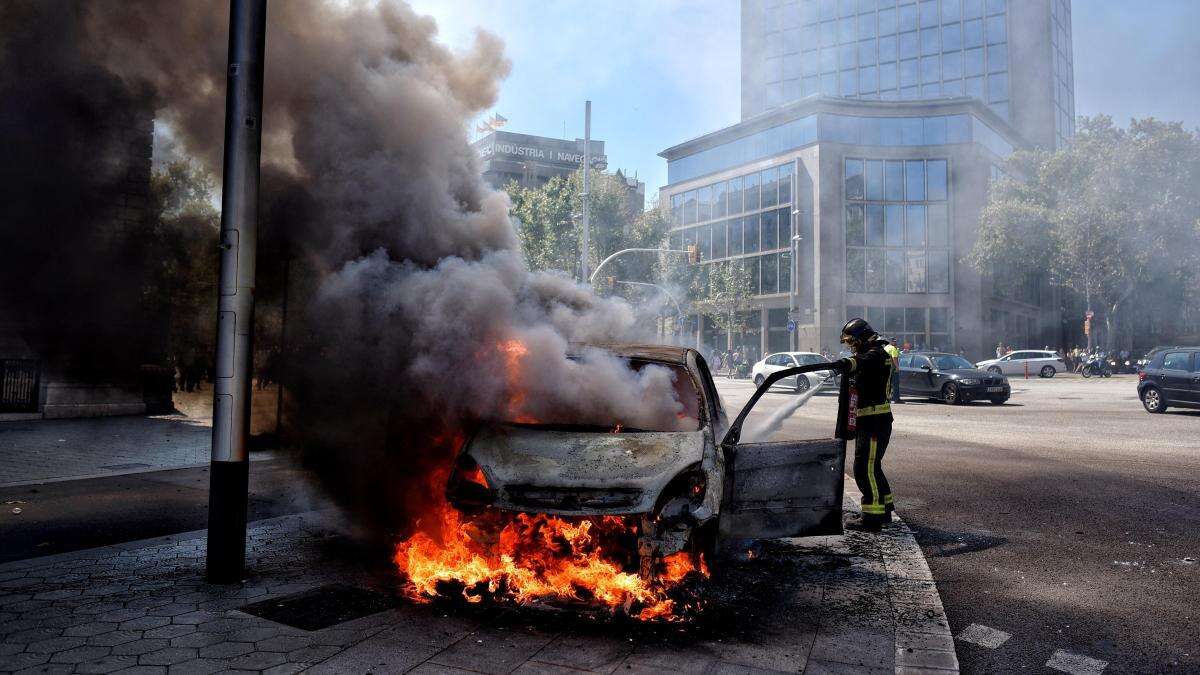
(551,230)
(727,290)
(1112,215)
(185,257)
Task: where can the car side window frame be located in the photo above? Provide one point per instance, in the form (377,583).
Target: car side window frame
(919,361)
(1186,355)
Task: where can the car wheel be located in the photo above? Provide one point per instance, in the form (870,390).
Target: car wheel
(995,370)
(758,380)
(950,394)
(999,400)
(1048,371)
(1153,401)
(802,384)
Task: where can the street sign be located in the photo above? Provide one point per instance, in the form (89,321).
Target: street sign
(791,325)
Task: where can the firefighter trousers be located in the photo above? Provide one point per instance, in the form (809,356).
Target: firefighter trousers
(870,443)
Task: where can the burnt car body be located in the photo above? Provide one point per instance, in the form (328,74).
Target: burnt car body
(691,490)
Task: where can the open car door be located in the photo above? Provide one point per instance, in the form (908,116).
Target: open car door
(781,489)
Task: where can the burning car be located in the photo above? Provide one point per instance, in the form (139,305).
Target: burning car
(691,491)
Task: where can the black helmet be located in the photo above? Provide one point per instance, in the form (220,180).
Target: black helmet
(859,329)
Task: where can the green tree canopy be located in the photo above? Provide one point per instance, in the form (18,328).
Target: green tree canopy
(551,231)
(1113,214)
(723,293)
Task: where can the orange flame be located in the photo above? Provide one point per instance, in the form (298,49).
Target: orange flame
(532,559)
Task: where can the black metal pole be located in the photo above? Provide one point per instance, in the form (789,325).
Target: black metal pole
(235,311)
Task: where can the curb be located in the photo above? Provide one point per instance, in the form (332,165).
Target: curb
(923,641)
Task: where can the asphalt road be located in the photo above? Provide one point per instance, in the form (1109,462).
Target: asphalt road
(72,515)
(1068,519)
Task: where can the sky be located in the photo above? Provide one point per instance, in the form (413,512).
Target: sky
(659,72)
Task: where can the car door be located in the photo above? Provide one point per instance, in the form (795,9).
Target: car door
(907,386)
(923,378)
(1175,378)
(781,489)
(1014,364)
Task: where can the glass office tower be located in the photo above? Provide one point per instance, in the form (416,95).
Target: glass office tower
(1013,55)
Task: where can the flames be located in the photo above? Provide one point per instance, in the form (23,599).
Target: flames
(537,559)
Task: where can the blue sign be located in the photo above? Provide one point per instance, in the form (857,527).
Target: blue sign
(791,326)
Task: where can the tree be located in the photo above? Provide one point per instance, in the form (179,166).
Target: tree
(551,233)
(726,290)
(1113,214)
(185,260)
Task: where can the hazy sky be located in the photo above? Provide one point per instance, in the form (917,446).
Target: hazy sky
(659,72)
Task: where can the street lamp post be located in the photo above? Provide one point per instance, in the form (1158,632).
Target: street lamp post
(587,182)
(229,475)
(596,273)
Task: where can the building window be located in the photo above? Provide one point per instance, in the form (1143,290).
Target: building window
(908,327)
(897,228)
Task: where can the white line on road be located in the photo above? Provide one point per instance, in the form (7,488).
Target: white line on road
(1076,664)
(983,636)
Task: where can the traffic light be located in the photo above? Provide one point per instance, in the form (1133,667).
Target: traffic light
(693,254)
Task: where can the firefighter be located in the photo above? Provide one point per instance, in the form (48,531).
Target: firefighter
(865,415)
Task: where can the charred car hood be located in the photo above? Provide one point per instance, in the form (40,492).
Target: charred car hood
(574,472)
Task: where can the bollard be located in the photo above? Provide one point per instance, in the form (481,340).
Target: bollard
(1027,370)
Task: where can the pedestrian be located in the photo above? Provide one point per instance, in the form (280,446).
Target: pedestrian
(716,361)
(865,415)
(999,349)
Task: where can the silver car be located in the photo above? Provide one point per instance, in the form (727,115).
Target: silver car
(690,490)
(1041,363)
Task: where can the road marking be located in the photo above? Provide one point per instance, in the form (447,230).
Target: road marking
(983,636)
(1076,664)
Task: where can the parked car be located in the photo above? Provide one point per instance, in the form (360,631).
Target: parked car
(1171,378)
(691,489)
(1041,363)
(801,383)
(949,378)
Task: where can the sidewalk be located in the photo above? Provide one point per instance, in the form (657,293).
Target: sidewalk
(36,451)
(853,604)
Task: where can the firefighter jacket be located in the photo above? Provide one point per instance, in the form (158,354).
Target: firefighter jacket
(868,376)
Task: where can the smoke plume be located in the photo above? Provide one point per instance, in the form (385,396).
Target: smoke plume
(418,316)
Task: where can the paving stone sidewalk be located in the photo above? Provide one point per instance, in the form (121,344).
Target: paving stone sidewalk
(862,604)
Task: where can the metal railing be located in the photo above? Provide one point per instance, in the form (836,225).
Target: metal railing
(20,385)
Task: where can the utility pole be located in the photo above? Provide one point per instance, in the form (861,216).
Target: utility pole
(235,308)
(587,183)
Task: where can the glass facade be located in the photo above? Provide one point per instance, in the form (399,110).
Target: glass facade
(852,129)
(897,225)
(1064,71)
(880,49)
(917,327)
(745,220)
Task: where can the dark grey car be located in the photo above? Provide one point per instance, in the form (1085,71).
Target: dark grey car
(949,378)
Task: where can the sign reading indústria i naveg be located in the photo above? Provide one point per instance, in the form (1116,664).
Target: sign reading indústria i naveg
(552,152)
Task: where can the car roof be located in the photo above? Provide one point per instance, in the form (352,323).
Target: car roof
(662,353)
(934,354)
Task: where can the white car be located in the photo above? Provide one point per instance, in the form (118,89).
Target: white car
(801,383)
(1041,363)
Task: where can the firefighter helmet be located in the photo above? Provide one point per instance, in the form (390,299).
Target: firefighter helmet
(858,329)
